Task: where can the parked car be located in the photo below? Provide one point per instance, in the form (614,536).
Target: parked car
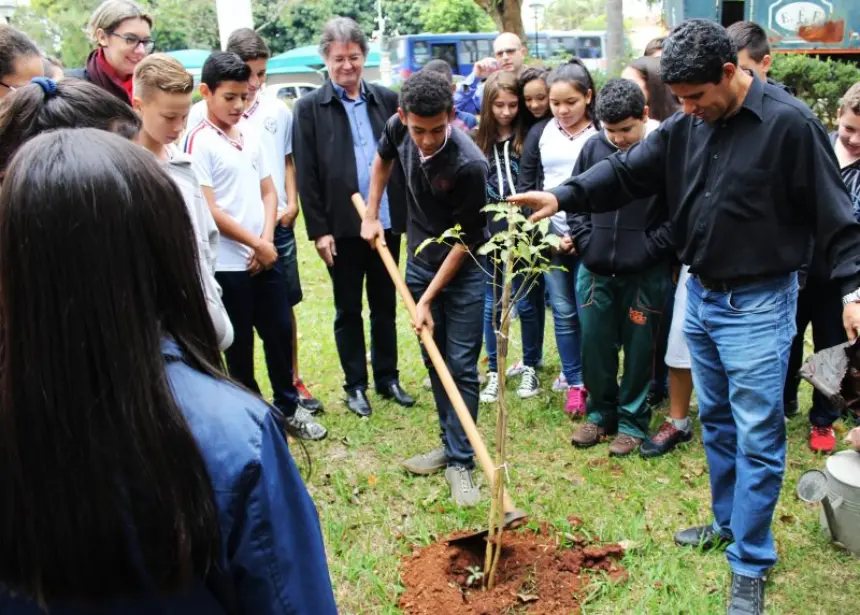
(289,91)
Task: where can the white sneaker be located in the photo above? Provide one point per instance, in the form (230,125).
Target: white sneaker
(305,427)
(560,384)
(490,394)
(529,385)
(517,368)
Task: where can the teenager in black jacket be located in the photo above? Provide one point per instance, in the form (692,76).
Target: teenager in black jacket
(622,283)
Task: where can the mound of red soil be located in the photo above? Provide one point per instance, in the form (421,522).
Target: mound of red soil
(537,575)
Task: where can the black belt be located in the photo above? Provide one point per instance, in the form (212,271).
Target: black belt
(728,284)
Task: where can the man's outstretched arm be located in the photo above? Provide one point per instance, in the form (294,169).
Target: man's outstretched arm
(609,185)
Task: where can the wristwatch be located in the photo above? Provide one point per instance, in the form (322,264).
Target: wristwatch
(851,297)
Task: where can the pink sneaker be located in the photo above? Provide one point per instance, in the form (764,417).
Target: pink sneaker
(575,406)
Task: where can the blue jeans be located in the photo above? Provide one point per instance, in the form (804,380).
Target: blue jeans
(285,244)
(561,284)
(457,313)
(740,342)
(532,314)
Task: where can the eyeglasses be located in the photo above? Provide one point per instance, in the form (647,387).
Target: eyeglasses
(501,53)
(132,41)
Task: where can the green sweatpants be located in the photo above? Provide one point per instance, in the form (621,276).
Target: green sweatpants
(622,311)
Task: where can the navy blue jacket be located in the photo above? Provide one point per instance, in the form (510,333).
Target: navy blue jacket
(272,548)
(630,240)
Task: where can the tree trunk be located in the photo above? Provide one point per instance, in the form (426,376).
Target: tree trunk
(615,36)
(507,15)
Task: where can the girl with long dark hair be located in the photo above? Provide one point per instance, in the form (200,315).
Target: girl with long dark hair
(645,72)
(534,94)
(549,154)
(500,137)
(135,478)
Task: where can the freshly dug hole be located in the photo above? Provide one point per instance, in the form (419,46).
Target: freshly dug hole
(536,575)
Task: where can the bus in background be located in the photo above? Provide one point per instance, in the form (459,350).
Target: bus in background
(461,50)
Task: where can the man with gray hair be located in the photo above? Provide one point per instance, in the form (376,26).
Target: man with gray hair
(335,133)
(510,55)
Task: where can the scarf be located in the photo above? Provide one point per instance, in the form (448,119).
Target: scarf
(104,75)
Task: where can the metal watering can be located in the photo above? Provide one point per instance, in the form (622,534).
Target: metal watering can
(836,373)
(838,490)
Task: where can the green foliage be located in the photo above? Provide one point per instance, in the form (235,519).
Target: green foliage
(403,17)
(819,83)
(58,27)
(571,14)
(455,16)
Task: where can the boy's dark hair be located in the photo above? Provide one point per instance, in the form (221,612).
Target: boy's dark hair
(695,52)
(750,36)
(14,45)
(620,99)
(222,66)
(441,67)
(29,111)
(426,94)
(248,45)
(653,46)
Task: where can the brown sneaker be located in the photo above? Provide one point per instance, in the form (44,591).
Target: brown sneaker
(623,445)
(587,435)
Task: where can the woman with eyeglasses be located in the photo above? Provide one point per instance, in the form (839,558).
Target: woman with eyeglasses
(123,33)
(20,60)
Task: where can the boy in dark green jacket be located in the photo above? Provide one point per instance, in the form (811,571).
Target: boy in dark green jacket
(621,285)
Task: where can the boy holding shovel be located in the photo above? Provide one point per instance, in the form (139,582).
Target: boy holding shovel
(446,175)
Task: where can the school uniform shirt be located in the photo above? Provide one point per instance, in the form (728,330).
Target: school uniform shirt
(551,149)
(272,121)
(442,190)
(179,167)
(234,170)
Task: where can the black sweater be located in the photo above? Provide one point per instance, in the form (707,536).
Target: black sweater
(629,240)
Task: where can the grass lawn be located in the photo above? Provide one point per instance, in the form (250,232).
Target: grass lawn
(372,512)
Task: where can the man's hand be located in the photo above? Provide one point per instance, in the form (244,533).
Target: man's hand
(326,249)
(289,217)
(265,253)
(485,68)
(372,232)
(851,320)
(544,204)
(423,317)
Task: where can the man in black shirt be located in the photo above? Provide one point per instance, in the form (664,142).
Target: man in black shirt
(446,177)
(748,173)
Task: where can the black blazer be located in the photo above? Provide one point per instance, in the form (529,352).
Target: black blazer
(325,161)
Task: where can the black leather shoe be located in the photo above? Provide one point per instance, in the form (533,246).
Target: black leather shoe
(704,536)
(357,402)
(396,393)
(747,596)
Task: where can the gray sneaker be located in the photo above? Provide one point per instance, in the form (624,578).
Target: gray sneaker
(428,463)
(305,427)
(464,491)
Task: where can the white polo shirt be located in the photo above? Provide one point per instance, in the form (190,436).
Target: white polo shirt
(234,170)
(272,121)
